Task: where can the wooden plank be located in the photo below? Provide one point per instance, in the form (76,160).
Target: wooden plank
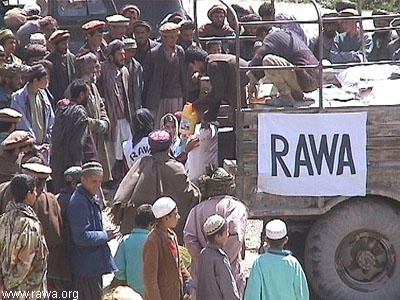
(376,115)
(382,179)
(250,145)
(383,154)
(373,130)
(377,155)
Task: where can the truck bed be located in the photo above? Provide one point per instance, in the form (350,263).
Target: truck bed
(383,157)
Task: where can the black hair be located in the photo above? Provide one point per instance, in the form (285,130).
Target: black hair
(211,238)
(262,30)
(276,243)
(77,87)
(250,18)
(169,119)
(209,44)
(342,5)
(193,54)
(37,71)
(46,63)
(5,126)
(20,185)
(380,12)
(266,10)
(142,124)
(144,216)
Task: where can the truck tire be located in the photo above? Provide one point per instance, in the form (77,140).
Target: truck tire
(353,252)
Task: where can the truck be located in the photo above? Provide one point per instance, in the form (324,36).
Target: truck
(72,14)
(346,231)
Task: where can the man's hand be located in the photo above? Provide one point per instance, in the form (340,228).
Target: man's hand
(252,89)
(205,123)
(196,77)
(111,234)
(191,144)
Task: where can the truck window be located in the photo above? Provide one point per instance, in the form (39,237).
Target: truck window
(80,8)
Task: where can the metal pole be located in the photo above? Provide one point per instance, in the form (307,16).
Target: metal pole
(196,27)
(237,46)
(359,4)
(320,53)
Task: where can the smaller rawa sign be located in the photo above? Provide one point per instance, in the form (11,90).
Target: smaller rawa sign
(312,154)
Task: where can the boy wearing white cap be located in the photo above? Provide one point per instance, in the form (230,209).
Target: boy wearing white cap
(276,274)
(214,275)
(164,275)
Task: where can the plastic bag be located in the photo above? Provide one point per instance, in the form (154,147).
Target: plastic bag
(203,155)
(190,117)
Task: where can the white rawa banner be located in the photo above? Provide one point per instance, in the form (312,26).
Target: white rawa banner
(312,154)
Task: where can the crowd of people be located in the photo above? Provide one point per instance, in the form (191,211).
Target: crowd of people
(77,127)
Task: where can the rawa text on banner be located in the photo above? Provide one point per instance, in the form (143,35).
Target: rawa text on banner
(312,154)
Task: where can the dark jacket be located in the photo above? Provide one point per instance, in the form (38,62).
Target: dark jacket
(154,74)
(135,84)
(49,213)
(8,166)
(90,255)
(221,68)
(141,53)
(69,140)
(100,53)
(215,280)
(380,43)
(60,76)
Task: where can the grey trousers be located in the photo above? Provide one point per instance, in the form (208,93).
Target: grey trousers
(88,288)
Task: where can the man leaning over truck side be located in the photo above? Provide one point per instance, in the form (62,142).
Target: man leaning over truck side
(221,68)
(285,49)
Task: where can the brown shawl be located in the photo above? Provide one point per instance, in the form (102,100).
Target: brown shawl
(8,166)
(109,91)
(49,214)
(147,180)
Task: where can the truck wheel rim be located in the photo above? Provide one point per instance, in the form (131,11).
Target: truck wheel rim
(365,260)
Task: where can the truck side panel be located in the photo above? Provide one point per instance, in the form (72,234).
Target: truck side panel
(383,159)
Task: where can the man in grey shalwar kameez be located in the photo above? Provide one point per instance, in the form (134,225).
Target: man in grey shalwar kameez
(347,46)
(165,75)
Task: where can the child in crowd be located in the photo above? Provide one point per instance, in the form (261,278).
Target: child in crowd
(276,274)
(164,275)
(180,146)
(129,254)
(214,47)
(138,146)
(214,276)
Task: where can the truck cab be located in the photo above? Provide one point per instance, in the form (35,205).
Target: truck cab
(71,15)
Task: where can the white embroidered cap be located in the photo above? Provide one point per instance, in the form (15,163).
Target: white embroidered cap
(275,229)
(213,224)
(163,207)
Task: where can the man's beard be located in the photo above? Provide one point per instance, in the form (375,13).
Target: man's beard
(91,78)
(218,25)
(119,64)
